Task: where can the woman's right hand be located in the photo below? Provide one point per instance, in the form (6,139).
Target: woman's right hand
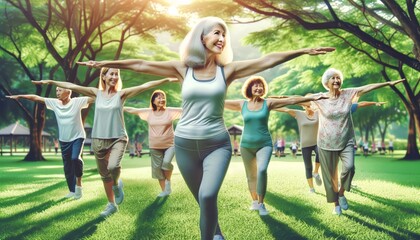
(90,63)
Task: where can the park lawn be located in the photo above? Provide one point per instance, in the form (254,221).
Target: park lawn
(385,204)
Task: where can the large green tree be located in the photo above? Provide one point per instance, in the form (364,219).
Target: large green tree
(46,38)
(380,37)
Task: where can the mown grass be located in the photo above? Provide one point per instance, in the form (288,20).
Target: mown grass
(384,205)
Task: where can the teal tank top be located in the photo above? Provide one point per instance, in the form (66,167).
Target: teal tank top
(255,133)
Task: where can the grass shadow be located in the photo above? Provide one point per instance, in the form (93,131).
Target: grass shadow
(87,230)
(30,196)
(300,210)
(279,230)
(146,224)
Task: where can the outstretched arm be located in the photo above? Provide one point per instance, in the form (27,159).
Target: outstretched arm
(163,68)
(132,110)
(87,91)
(367,88)
(366,104)
(278,103)
(291,112)
(239,69)
(31,97)
(133,91)
(235,105)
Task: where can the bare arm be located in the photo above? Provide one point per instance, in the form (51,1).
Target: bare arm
(291,112)
(163,68)
(235,105)
(278,103)
(31,97)
(239,69)
(367,88)
(133,91)
(132,110)
(366,104)
(87,91)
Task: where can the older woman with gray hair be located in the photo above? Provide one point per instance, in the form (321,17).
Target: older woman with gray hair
(336,135)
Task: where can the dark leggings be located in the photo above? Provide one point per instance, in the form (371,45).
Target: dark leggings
(307,159)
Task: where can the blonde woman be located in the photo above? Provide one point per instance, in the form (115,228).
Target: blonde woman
(109,137)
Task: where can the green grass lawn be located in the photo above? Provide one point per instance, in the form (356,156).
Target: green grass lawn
(384,205)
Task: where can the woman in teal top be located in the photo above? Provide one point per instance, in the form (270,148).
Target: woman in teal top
(256,143)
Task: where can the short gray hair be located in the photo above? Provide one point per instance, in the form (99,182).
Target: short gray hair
(328,74)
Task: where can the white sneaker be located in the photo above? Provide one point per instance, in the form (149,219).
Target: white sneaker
(168,188)
(109,209)
(218,237)
(69,195)
(78,193)
(311,190)
(337,210)
(163,194)
(263,211)
(342,201)
(254,205)
(118,192)
(317,177)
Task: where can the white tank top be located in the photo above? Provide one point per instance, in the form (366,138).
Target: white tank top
(108,121)
(203,103)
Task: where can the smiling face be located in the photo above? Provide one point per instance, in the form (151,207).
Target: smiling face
(257,89)
(160,101)
(111,77)
(214,41)
(334,82)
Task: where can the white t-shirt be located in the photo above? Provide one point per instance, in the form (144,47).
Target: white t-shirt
(69,117)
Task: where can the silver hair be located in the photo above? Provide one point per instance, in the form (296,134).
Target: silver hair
(192,51)
(328,74)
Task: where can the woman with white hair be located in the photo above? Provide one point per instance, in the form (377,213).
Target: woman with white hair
(109,137)
(256,141)
(202,143)
(336,135)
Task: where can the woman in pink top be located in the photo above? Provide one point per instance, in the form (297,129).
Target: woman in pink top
(336,135)
(161,137)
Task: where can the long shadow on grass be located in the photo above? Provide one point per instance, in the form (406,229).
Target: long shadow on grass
(280,230)
(146,224)
(382,216)
(29,229)
(406,207)
(37,209)
(87,230)
(300,210)
(30,196)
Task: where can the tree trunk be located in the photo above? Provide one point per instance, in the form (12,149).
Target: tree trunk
(36,125)
(412,152)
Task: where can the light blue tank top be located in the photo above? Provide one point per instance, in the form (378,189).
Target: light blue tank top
(108,121)
(255,133)
(203,103)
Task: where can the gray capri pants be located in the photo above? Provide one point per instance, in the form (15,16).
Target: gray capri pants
(329,167)
(161,159)
(307,159)
(108,154)
(203,164)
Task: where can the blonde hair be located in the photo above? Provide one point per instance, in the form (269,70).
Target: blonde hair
(328,74)
(192,51)
(102,85)
(156,94)
(247,87)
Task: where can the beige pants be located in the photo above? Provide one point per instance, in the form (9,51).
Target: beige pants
(108,154)
(329,168)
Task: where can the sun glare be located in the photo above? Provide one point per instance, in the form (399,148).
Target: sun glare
(173,6)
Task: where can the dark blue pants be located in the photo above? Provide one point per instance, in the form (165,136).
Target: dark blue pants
(72,161)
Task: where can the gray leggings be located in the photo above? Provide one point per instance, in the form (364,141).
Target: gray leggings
(307,159)
(256,162)
(203,165)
